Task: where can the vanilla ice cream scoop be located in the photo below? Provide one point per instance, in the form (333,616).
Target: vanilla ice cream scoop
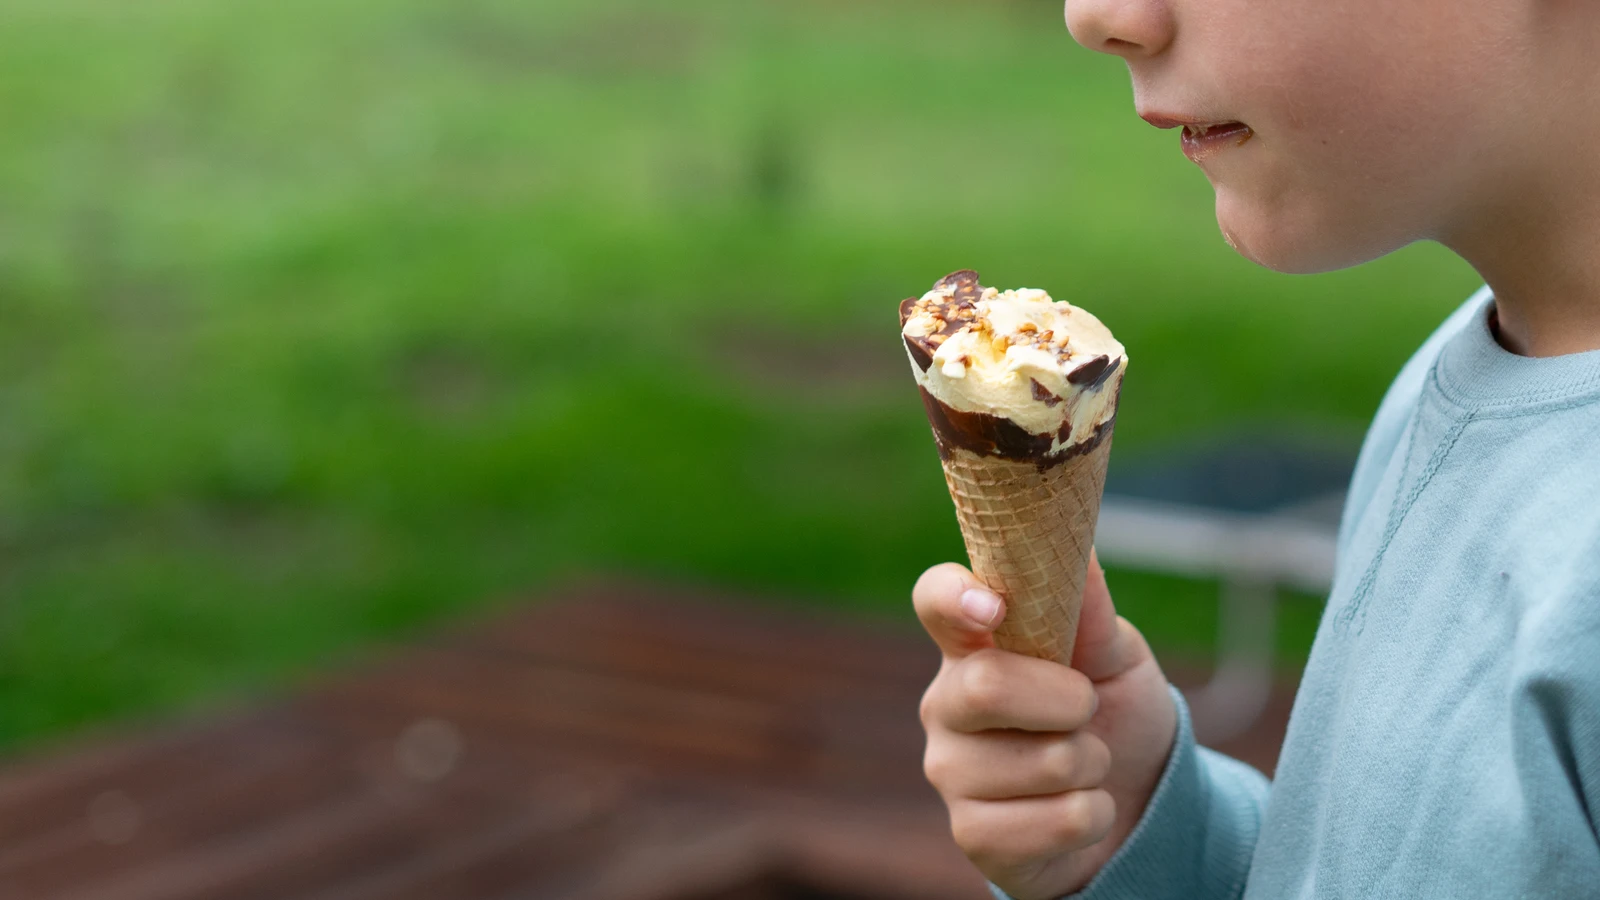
(1013,374)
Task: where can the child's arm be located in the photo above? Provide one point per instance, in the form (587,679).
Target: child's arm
(1198,831)
(1056,776)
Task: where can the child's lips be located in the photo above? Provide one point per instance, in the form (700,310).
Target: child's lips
(1201,142)
(1202,139)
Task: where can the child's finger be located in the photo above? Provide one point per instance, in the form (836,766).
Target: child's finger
(1106,646)
(956,609)
(1000,765)
(994,689)
(1003,836)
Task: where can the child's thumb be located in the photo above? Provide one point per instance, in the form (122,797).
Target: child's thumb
(1102,645)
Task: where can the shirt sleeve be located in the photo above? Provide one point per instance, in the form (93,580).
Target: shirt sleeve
(1197,835)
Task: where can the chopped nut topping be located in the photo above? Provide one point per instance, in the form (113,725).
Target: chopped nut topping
(952,307)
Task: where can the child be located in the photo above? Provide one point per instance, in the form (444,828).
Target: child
(1446,738)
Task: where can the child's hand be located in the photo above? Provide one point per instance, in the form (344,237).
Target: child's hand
(1045,769)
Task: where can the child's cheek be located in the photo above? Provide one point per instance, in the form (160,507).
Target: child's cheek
(1320,187)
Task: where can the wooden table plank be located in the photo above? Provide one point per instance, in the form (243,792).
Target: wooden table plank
(593,711)
(58,791)
(216,803)
(625,743)
(727,626)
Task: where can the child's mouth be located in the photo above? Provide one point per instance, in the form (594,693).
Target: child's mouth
(1201,142)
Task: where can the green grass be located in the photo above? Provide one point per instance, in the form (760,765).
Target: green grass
(321,322)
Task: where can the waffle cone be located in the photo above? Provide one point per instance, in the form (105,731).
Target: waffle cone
(1029,533)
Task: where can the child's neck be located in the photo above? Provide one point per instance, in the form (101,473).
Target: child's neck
(1545,275)
(1547,316)
(1534,233)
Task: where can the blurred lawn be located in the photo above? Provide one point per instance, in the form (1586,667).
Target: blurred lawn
(320,321)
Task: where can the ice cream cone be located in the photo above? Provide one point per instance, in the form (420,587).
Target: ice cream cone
(1028,534)
(1023,427)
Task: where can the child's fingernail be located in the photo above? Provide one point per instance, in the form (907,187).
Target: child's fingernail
(981,605)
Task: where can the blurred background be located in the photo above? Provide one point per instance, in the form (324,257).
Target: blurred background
(324,325)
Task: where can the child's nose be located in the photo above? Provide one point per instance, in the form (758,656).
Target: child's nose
(1131,29)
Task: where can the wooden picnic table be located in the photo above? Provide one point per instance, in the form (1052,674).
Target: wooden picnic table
(619,742)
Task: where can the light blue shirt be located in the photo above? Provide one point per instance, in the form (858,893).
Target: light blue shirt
(1445,741)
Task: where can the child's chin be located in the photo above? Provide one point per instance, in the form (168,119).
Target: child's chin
(1280,256)
(1287,244)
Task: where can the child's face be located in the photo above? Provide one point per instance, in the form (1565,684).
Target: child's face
(1371,123)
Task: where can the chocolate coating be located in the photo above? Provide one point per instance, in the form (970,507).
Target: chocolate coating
(921,352)
(965,282)
(1040,392)
(1101,378)
(956,311)
(1089,371)
(988,435)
